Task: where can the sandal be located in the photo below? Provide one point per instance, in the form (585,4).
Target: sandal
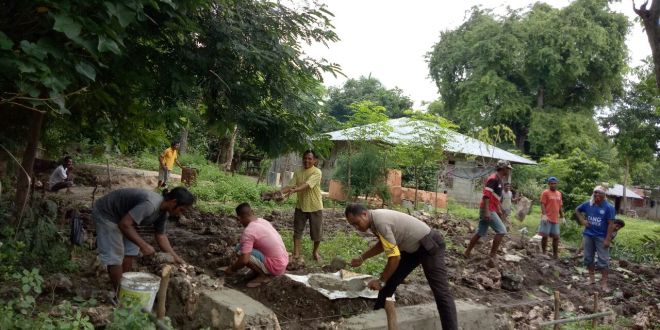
(257,282)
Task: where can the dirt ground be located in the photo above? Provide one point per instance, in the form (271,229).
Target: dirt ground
(520,287)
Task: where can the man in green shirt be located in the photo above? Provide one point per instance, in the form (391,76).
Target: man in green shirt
(309,207)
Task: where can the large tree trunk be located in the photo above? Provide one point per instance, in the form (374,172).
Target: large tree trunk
(24,179)
(226,150)
(416,185)
(348,183)
(625,184)
(521,140)
(183,144)
(651,24)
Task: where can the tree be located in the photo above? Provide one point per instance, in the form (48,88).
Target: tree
(425,147)
(367,130)
(51,50)
(518,69)
(253,73)
(339,100)
(650,19)
(636,123)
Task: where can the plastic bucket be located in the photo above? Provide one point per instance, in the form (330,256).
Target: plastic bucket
(140,288)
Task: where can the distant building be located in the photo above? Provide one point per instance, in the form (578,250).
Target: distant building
(467,160)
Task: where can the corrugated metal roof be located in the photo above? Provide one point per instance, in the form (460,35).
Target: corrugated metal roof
(617,190)
(456,142)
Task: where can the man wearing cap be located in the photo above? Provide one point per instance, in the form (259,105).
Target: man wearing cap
(490,211)
(597,216)
(551,203)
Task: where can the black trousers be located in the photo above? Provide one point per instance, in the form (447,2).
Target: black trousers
(431,254)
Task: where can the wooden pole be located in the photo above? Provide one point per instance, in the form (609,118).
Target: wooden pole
(575,319)
(162,291)
(107,164)
(557,305)
(390,311)
(239,318)
(594,322)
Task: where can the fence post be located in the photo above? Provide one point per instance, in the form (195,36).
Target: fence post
(557,306)
(594,322)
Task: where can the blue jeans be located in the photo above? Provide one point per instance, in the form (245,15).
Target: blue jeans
(594,246)
(495,222)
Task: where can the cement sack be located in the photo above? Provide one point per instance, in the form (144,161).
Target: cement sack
(523,206)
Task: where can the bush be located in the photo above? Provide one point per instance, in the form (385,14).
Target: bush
(368,172)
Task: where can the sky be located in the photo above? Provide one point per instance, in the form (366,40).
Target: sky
(389,38)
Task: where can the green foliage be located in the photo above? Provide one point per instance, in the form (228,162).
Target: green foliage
(370,89)
(368,172)
(503,70)
(19,312)
(578,174)
(341,245)
(559,132)
(133,318)
(638,241)
(426,175)
(635,120)
(44,246)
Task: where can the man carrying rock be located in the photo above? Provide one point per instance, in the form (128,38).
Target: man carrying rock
(551,203)
(407,242)
(117,215)
(61,177)
(597,234)
(261,248)
(490,211)
(309,206)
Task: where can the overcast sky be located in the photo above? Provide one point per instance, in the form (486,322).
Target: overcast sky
(389,38)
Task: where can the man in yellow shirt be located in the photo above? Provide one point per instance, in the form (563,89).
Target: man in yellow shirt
(307,184)
(167,160)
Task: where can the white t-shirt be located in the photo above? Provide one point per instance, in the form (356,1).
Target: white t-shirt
(506,199)
(59,175)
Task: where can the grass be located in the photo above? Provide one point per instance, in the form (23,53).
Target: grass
(341,245)
(638,241)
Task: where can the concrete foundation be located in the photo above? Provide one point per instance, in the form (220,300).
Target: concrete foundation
(424,317)
(223,308)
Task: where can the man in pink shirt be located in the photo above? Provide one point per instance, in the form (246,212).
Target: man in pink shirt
(261,248)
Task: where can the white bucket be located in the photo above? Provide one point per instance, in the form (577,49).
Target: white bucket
(140,288)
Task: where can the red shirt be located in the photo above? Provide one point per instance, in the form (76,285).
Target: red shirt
(492,191)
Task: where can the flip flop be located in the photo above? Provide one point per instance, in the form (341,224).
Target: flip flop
(257,283)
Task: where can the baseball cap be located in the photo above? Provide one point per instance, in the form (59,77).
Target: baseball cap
(552,179)
(502,164)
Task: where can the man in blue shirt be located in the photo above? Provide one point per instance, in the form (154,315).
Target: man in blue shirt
(597,216)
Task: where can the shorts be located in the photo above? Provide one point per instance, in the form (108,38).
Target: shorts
(594,246)
(495,222)
(256,258)
(111,244)
(547,228)
(315,224)
(163,174)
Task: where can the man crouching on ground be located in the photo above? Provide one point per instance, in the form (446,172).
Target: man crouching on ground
(261,248)
(407,242)
(118,213)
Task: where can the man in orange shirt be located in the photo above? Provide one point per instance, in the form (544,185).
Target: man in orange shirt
(167,160)
(551,203)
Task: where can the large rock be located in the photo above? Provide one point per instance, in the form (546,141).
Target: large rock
(422,317)
(511,280)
